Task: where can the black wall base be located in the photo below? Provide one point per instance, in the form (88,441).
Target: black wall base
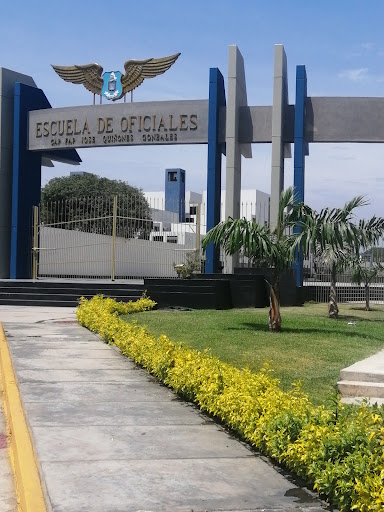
(221,291)
(290,294)
(190,293)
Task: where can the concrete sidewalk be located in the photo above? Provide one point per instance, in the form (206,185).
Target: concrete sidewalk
(110,438)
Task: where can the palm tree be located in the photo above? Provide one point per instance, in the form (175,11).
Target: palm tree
(361,273)
(275,246)
(333,238)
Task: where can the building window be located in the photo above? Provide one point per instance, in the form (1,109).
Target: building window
(172,176)
(193,210)
(158,238)
(172,239)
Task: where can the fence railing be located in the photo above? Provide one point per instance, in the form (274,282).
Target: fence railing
(128,238)
(318,287)
(116,238)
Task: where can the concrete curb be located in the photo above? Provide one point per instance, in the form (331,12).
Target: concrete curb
(30,496)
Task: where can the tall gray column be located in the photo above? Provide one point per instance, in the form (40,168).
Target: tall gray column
(279,150)
(236,97)
(8,79)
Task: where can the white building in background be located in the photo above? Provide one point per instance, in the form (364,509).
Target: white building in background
(156,201)
(166,224)
(254,205)
(168,228)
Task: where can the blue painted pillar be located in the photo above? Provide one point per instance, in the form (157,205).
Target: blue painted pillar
(300,150)
(215,150)
(26,182)
(26,178)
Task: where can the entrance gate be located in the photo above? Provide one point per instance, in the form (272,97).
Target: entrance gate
(228,125)
(111,238)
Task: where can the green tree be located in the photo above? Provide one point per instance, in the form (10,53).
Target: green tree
(331,235)
(261,243)
(362,273)
(85,202)
(334,238)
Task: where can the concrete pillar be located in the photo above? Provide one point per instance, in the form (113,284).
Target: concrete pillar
(215,150)
(279,150)
(236,97)
(300,150)
(8,79)
(26,177)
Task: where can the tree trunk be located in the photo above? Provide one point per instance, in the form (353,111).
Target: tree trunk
(276,286)
(333,310)
(274,321)
(367,297)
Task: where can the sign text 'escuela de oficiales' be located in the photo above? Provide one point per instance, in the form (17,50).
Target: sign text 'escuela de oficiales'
(167,122)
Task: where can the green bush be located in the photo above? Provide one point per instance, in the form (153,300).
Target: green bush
(340,455)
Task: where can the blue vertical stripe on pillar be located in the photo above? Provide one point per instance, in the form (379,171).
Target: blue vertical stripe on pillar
(215,149)
(299,154)
(26,178)
(26,182)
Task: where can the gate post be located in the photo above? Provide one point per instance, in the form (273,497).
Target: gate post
(35,248)
(300,150)
(26,177)
(215,149)
(237,97)
(26,181)
(280,149)
(114,220)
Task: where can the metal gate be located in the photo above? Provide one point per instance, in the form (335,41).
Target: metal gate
(111,238)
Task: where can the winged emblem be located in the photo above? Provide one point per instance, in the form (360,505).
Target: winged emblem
(113,85)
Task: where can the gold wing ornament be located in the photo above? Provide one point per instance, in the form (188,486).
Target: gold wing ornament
(136,71)
(89,75)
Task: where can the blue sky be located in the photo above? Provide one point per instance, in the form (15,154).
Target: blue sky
(340,42)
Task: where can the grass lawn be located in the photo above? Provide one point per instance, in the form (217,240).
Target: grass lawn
(311,348)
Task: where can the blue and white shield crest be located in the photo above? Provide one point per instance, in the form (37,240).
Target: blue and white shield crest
(112,88)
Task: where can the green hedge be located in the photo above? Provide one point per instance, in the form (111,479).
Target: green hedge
(340,452)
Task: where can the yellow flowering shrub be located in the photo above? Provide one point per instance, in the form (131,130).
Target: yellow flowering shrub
(341,455)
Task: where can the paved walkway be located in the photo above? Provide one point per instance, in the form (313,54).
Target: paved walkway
(109,438)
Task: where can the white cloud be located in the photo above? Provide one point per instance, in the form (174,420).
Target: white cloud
(355,75)
(368,46)
(363,49)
